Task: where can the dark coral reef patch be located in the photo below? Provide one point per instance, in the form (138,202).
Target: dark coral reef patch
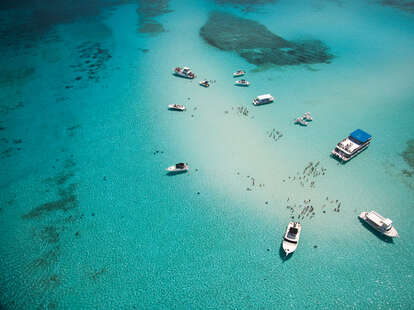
(93,59)
(405,5)
(67,200)
(32,20)
(147,11)
(408,156)
(258,45)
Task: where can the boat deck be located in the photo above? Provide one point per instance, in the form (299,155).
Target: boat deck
(348,146)
(375,218)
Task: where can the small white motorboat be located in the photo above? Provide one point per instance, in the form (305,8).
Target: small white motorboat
(205,83)
(180,167)
(184,72)
(291,239)
(379,223)
(239,73)
(307,117)
(242,83)
(301,121)
(178,107)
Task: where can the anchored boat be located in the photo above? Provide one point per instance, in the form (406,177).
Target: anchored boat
(381,224)
(239,73)
(291,239)
(263,99)
(205,83)
(180,167)
(351,146)
(184,72)
(242,83)
(177,107)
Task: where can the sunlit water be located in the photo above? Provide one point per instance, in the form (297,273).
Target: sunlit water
(88,217)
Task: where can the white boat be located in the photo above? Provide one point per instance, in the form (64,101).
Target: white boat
(291,239)
(242,83)
(349,147)
(307,117)
(180,167)
(177,107)
(205,83)
(184,72)
(301,121)
(239,73)
(381,224)
(263,99)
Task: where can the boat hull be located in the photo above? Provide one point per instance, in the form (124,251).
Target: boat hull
(289,247)
(262,103)
(184,75)
(172,169)
(345,159)
(242,84)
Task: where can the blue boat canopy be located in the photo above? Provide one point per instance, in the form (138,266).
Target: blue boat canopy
(360,135)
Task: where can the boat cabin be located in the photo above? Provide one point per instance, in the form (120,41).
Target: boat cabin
(262,99)
(357,141)
(292,232)
(379,220)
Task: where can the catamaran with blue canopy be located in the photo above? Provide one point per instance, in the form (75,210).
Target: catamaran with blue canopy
(349,147)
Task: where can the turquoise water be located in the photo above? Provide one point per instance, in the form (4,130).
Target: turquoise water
(88,217)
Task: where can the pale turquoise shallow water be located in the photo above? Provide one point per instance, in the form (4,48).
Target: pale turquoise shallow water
(126,235)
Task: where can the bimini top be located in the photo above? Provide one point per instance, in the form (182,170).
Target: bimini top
(360,135)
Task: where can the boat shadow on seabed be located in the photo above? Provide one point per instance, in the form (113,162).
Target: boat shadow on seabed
(376,232)
(173,173)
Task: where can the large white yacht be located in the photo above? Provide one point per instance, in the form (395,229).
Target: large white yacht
(381,224)
(263,99)
(352,145)
(291,239)
(184,72)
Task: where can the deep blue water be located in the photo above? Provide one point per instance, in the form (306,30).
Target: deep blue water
(88,217)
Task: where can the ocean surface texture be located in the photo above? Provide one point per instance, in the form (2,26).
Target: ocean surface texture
(89,219)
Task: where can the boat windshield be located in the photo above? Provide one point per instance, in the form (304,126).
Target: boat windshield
(291,241)
(293,230)
(180,165)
